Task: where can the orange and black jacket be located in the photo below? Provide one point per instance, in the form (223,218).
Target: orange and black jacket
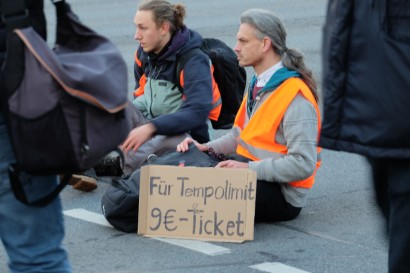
(160,70)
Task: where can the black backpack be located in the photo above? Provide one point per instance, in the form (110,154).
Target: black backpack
(65,108)
(230,77)
(120,202)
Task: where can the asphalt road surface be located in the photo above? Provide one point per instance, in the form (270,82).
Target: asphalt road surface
(340,229)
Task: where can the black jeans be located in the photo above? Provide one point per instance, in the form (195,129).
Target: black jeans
(271,205)
(391,179)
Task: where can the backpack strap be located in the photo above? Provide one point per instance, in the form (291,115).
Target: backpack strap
(182,60)
(14,14)
(20,194)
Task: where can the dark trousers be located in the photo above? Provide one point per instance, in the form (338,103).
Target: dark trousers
(391,179)
(271,205)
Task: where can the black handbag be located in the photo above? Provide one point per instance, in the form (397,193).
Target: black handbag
(120,202)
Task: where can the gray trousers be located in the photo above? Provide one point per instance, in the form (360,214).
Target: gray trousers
(158,145)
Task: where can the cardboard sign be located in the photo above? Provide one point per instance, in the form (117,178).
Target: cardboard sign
(214,204)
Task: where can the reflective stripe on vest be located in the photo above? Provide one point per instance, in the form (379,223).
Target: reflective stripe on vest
(256,142)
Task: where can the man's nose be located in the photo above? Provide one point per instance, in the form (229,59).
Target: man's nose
(236,48)
(137,35)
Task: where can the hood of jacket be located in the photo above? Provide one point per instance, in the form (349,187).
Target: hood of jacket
(274,82)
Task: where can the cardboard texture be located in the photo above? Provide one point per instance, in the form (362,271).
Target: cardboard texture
(210,204)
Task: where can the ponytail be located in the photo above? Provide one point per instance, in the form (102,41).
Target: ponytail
(163,11)
(294,60)
(268,25)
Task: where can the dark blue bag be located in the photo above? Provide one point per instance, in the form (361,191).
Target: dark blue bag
(120,202)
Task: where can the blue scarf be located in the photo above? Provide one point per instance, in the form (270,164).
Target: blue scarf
(274,82)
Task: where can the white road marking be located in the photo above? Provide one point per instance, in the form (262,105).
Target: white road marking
(198,246)
(276,268)
(88,216)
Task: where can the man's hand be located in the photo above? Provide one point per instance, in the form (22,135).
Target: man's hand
(138,136)
(184,145)
(232,164)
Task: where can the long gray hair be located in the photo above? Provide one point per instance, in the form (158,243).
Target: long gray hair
(268,25)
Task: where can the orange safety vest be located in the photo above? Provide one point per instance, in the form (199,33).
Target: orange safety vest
(216,95)
(257,139)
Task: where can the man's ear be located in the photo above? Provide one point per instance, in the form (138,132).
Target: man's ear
(267,44)
(165,27)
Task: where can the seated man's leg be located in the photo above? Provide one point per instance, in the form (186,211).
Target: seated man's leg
(137,118)
(157,145)
(271,205)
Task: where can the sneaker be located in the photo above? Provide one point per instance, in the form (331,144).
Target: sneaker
(85,182)
(109,166)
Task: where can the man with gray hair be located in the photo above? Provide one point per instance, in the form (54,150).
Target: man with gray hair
(277,126)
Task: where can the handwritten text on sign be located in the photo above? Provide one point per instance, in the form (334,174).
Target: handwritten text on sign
(202,203)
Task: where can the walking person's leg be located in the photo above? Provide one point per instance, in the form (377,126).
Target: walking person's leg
(399,219)
(31,236)
(391,179)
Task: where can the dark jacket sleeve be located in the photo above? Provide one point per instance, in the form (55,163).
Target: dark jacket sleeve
(336,39)
(198,99)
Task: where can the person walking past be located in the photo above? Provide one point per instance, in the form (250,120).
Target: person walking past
(32,236)
(366,104)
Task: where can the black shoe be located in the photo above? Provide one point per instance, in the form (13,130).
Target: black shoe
(109,166)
